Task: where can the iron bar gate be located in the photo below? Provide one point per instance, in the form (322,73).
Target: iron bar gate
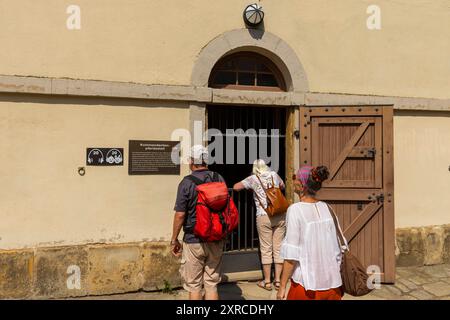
(261,119)
(245,236)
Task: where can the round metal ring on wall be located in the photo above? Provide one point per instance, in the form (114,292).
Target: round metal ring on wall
(81,171)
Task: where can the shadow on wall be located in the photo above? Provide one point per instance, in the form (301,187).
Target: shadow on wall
(257,33)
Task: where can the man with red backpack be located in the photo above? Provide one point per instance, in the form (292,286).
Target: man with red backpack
(206,212)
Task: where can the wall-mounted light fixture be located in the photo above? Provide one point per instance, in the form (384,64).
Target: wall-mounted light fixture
(253,15)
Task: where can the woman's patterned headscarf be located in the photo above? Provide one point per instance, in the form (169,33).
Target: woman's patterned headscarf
(303,174)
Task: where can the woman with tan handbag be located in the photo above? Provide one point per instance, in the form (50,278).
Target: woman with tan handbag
(311,252)
(270,217)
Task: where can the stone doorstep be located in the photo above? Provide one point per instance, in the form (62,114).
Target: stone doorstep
(245,276)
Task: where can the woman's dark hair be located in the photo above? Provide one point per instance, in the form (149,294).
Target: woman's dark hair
(317,176)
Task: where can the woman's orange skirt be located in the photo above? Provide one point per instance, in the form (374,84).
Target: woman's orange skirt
(297,292)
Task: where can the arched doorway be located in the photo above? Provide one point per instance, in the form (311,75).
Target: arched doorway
(248,132)
(305,121)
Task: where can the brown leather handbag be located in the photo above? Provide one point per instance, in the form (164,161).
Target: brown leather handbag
(276,201)
(353,274)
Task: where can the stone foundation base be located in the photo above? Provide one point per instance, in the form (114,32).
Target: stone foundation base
(76,271)
(101,269)
(423,245)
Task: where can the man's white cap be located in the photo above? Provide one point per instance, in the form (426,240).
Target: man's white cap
(199,154)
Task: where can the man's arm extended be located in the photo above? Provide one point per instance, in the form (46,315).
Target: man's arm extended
(178,220)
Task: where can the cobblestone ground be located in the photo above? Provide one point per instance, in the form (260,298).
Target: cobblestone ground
(412,283)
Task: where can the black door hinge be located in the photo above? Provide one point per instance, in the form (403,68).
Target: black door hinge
(380,198)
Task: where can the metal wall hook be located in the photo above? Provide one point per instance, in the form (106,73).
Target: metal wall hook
(81,171)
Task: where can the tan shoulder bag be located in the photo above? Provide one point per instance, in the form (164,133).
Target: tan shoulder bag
(276,201)
(353,274)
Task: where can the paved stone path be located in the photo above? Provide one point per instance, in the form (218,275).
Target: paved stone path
(412,283)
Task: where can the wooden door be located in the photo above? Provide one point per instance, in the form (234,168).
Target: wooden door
(356,144)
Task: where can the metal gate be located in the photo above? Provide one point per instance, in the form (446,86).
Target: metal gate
(244,240)
(245,237)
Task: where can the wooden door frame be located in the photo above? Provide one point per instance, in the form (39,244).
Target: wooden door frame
(388,187)
(386,112)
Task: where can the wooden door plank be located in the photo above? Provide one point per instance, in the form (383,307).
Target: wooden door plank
(379,153)
(378,248)
(305,144)
(361,220)
(343,120)
(349,184)
(348,147)
(290,164)
(367,233)
(376,240)
(346,194)
(316,144)
(381,240)
(346,111)
(363,152)
(388,186)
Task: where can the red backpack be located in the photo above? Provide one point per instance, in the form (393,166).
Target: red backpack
(216,214)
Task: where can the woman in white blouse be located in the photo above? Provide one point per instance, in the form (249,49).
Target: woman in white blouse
(311,253)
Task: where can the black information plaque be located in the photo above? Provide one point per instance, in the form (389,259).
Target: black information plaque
(152,157)
(104,156)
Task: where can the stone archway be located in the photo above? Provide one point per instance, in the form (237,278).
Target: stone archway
(256,40)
